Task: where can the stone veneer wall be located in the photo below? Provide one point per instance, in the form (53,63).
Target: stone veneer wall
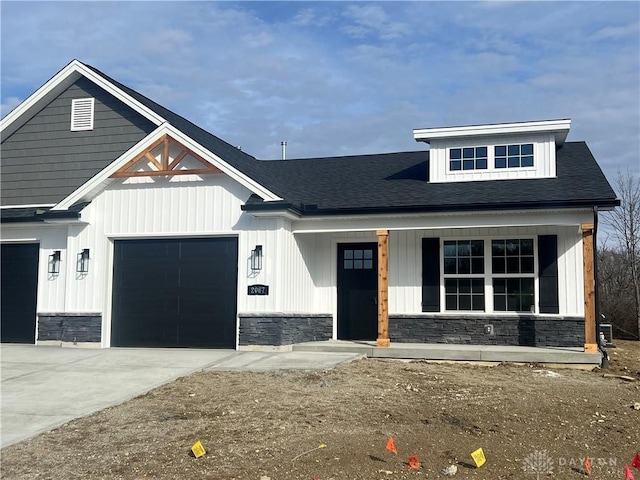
(284,328)
(525,330)
(70,327)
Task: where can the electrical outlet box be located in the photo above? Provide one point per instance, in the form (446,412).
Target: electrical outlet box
(488,329)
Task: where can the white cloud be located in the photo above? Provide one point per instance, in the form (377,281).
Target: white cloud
(371,19)
(617,32)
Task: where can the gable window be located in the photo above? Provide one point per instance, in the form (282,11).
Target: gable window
(514,156)
(82,114)
(512,265)
(468,158)
(464,274)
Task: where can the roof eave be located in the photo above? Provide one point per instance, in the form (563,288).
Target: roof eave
(328,212)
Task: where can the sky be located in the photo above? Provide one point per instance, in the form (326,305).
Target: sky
(348,78)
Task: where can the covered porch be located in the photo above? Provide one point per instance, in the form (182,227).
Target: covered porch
(413,310)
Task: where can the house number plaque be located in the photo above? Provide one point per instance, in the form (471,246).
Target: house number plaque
(258,290)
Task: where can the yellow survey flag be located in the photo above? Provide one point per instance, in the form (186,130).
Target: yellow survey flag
(198,449)
(478,457)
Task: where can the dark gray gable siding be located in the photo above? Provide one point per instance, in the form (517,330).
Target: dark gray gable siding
(44,161)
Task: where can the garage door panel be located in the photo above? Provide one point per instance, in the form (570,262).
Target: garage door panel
(19,288)
(187,298)
(141,276)
(144,303)
(147,249)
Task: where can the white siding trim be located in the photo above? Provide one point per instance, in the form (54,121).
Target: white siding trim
(47,205)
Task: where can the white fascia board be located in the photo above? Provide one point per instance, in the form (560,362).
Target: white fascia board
(560,128)
(99,182)
(219,163)
(38,205)
(286,214)
(66,77)
(456,220)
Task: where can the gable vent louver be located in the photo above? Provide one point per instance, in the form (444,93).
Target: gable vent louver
(82,114)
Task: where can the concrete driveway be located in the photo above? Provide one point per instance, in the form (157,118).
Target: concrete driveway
(45,387)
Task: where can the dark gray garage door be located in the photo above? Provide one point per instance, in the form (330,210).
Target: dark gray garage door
(175,293)
(19,289)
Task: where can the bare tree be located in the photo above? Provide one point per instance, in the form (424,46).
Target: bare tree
(624,223)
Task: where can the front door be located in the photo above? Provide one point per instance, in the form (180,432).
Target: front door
(357,291)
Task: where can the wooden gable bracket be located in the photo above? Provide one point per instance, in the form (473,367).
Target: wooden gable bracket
(165,166)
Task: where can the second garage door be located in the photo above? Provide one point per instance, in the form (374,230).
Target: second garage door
(175,293)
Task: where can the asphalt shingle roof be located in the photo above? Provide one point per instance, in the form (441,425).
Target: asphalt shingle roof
(399,181)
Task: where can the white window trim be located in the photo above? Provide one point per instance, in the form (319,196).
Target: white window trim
(491,158)
(82,120)
(489,275)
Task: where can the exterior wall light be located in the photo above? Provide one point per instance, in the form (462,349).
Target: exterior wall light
(54,263)
(256,258)
(82,265)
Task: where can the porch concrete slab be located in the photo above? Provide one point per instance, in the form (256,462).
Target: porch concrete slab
(43,387)
(467,353)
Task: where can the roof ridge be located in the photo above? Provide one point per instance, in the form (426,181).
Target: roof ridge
(162,110)
(363,155)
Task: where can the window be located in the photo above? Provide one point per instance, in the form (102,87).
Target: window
(464,274)
(82,114)
(358,259)
(514,156)
(464,293)
(512,266)
(510,274)
(468,158)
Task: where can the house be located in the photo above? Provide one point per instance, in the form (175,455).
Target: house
(124,224)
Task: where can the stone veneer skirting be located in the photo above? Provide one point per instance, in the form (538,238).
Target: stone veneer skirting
(524,330)
(284,328)
(70,327)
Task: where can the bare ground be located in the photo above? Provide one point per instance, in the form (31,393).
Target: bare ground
(254,425)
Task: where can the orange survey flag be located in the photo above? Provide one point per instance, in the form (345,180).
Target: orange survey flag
(587,465)
(635,463)
(627,473)
(391,446)
(414,462)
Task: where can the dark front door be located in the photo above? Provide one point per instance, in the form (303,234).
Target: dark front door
(357,291)
(175,293)
(19,290)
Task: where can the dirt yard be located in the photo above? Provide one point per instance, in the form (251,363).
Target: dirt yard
(260,426)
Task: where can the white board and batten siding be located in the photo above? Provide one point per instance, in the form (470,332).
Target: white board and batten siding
(405,267)
(544,154)
(208,207)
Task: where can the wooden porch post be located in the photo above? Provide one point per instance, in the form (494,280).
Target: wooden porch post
(590,337)
(383,288)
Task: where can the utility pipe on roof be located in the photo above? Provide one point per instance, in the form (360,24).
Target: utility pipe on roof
(283,144)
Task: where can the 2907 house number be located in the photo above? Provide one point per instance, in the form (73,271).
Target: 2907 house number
(258,290)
